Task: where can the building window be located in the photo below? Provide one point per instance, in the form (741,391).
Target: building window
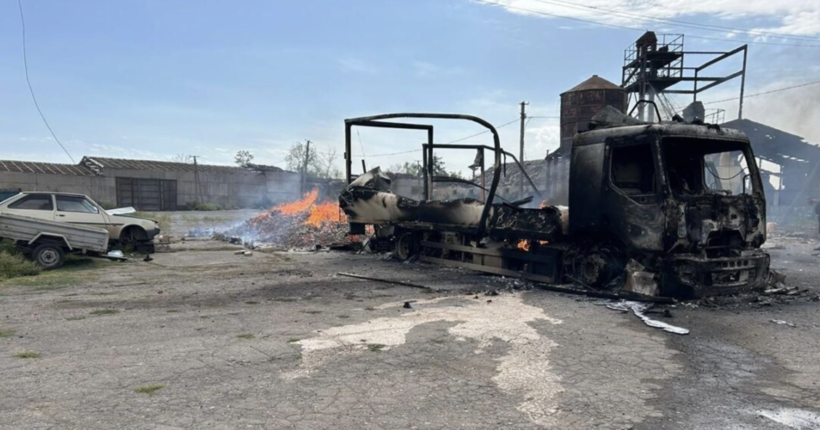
(36,202)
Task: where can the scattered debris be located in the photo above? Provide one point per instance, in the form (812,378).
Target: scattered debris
(301,224)
(639,281)
(387,281)
(640,309)
(793,418)
(784,322)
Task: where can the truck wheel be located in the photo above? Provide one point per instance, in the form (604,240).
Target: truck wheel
(406,246)
(48,256)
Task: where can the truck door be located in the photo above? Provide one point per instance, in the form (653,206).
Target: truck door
(632,193)
(78,210)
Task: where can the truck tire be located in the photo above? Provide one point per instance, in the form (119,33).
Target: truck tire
(48,256)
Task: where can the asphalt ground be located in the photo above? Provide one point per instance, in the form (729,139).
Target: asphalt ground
(204,338)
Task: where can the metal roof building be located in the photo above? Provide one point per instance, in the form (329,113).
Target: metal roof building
(153,185)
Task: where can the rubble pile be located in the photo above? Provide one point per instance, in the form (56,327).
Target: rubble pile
(301,224)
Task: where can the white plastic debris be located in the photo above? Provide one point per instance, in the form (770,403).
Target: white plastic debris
(793,418)
(784,322)
(638,309)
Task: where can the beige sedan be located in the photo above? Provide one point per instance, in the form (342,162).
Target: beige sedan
(80,209)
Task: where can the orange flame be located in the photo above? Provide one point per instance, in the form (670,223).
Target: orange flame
(299,205)
(324,212)
(525,245)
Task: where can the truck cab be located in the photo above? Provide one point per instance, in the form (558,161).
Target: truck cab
(684,200)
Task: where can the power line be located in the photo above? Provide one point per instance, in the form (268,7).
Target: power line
(483,132)
(624,27)
(360,141)
(31,90)
(765,92)
(392,153)
(708,27)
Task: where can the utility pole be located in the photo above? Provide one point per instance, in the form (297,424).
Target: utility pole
(305,166)
(197,189)
(521,152)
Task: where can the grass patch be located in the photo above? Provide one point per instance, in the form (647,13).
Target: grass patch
(311,312)
(370,308)
(101,312)
(74,272)
(27,354)
(6,333)
(14,265)
(343,316)
(375,347)
(251,303)
(75,318)
(285,299)
(173,311)
(149,389)
(245,336)
(294,340)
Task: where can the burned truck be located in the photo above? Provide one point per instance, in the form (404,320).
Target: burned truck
(668,209)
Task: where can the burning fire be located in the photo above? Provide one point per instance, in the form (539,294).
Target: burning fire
(318,213)
(324,212)
(524,244)
(299,205)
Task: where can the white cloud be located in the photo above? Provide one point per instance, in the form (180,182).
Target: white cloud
(794,17)
(429,70)
(357,66)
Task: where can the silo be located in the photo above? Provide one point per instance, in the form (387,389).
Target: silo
(582,102)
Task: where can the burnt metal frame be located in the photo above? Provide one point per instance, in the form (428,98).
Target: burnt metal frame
(635,67)
(427,167)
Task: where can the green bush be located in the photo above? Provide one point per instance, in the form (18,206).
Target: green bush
(7,246)
(15,265)
(202,206)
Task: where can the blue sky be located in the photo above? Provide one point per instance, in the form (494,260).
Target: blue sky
(151,79)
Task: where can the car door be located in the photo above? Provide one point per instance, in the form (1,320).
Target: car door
(38,205)
(78,210)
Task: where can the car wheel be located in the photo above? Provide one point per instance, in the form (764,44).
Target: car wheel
(48,256)
(131,237)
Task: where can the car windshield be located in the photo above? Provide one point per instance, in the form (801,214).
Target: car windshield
(699,166)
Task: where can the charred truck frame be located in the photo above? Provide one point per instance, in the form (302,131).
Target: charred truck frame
(667,209)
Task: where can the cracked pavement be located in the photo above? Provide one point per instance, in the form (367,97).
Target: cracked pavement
(277,341)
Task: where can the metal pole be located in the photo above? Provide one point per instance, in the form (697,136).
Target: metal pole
(521,149)
(197,190)
(742,83)
(483,182)
(348,156)
(304,167)
(695,90)
(428,178)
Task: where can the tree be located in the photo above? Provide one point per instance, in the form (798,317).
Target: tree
(182,158)
(414,167)
(320,164)
(295,159)
(243,158)
(324,165)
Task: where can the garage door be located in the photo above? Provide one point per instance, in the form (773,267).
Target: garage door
(147,194)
